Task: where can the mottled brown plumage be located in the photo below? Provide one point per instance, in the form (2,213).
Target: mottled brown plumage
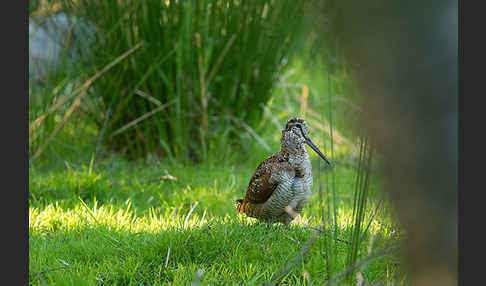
(282,180)
(260,186)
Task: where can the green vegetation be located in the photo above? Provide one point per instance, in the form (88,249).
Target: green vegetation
(184,75)
(165,211)
(114,225)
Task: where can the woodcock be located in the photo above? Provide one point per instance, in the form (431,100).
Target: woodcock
(281,184)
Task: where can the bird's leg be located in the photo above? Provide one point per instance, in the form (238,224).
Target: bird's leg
(286,221)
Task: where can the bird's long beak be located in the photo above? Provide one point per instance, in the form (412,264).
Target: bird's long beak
(314,147)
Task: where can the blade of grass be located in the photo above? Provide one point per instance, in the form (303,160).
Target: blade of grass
(251,132)
(220,58)
(143,117)
(82,88)
(78,99)
(359,205)
(296,260)
(102,133)
(358,264)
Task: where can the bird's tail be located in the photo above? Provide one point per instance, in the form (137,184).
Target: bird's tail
(242,206)
(248,208)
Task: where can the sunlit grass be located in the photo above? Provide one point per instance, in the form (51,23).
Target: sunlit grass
(53,217)
(117,247)
(113,225)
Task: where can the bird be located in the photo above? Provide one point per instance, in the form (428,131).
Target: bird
(281,184)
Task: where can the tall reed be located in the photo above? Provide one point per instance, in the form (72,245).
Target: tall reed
(361,193)
(204,68)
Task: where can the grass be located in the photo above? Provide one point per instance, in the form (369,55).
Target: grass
(114,224)
(181,99)
(96,218)
(199,69)
(112,221)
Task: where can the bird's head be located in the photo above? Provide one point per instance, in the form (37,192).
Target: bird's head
(295,134)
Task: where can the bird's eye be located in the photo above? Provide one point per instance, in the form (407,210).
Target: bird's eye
(299,126)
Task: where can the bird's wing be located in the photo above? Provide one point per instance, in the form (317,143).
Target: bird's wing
(262,183)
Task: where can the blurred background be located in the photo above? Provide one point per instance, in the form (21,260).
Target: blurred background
(201,89)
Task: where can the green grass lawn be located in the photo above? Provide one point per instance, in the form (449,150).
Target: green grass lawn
(121,223)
